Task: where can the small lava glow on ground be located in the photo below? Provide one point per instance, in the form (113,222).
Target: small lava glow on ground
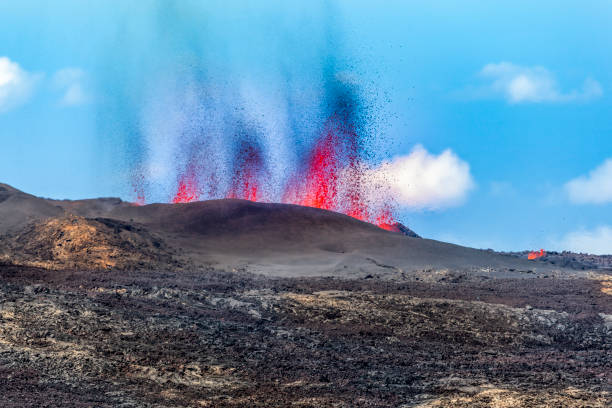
(536,254)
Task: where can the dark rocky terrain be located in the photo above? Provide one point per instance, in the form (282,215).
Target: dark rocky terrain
(571,259)
(237,304)
(212,338)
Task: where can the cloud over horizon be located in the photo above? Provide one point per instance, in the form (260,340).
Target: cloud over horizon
(593,188)
(536,84)
(596,241)
(16,84)
(421,180)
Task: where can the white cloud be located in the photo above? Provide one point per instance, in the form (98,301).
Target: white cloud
(71,82)
(594,188)
(16,85)
(597,241)
(421,180)
(520,84)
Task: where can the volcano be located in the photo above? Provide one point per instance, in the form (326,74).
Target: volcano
(234,303)
(267,238)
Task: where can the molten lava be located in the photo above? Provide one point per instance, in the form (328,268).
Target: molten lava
(331,176)
(385,220)
(319,185)
(536,254)
(187,191)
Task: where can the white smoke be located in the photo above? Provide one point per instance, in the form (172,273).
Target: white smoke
(421,180)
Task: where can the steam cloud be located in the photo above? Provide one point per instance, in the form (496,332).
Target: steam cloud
(422,180)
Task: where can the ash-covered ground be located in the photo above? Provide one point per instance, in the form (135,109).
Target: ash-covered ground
(208,338)
(238,304)
(570,259)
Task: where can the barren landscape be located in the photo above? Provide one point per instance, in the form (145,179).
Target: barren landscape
(230,303)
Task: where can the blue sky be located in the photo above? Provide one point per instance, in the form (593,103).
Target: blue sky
(517,93)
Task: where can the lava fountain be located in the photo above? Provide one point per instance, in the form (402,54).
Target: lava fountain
(330,177)
(331,173)
(187,189)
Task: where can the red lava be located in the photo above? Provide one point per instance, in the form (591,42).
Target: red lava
(536,254)
(330,178)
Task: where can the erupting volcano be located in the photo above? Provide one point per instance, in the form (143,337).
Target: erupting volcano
(330,177)
(330,171)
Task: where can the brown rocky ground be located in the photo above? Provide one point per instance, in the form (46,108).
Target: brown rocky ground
(228,303)
(271,239)
(93,244)
(208,338)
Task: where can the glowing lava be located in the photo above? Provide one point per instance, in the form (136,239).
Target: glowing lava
(385,220)
(319,185)
(330,177)
(187,191)
(536,254)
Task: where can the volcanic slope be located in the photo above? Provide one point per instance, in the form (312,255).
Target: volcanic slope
(107,304)
(277,239)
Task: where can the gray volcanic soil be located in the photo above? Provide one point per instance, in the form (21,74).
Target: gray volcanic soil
(246,304)
(277,239)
